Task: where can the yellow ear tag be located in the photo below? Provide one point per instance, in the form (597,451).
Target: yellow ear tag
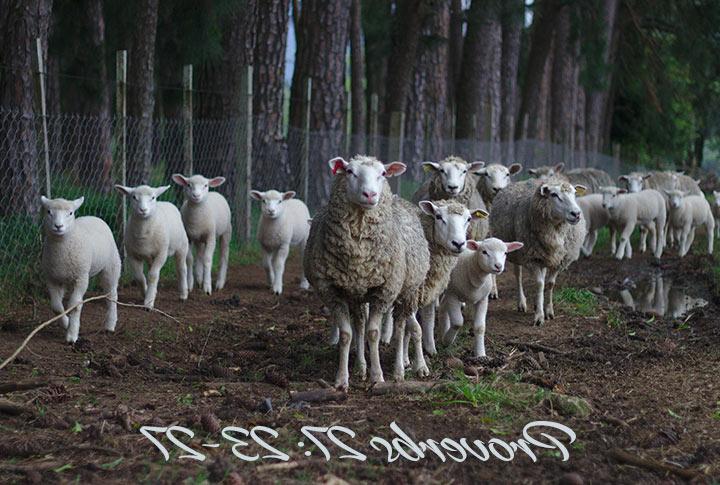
(580,190)
(427,168)
(480,214)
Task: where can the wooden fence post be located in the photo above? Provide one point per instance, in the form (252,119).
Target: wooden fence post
(305,154)
(187,114)
(43,108)
(243,184)
(395,143)
(121,128)
(373,145)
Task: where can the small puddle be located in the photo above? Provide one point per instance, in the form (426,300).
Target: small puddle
(658,294)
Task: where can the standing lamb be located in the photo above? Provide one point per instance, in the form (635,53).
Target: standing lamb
(206,216)
(365,248)
(471,283)
(687,212)
(543,215)
(493,178)
(596,217)
(75,250)
(284,222)
(154,232)
(646,208)
(453,178)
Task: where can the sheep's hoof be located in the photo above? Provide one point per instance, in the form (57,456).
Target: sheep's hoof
(422,370)
(304,285)
(522,307)
(342,385)
(398,376)
(430,350)
(379,378)
(550,315)
(539,322)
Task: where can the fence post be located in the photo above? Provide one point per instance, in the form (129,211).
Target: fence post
(395,152)
(245,141)
(121,135)
(188,119)
(373,125)
(43,108)
(305,158)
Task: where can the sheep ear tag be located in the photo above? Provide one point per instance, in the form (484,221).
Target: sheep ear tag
(580,190)
(479,214)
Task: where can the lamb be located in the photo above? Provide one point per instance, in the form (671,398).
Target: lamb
(154,232)
(716,210)
(207,220)
(687,212)
(453,178)
(547,171)
(75,250)
(284,222)
(493,178)
(590,178)
(471,283)
(596,217)
(544,215)
(366,247)
(627,210)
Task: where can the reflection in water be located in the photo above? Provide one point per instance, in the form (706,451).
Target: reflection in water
(660,296)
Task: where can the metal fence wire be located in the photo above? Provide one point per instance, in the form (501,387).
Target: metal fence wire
(84,160)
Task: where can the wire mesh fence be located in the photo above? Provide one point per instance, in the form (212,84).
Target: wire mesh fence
(85,159)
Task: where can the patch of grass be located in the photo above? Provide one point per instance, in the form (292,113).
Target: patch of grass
(479,394)
(615,319)
(716,415)
(577,302)
(186,399)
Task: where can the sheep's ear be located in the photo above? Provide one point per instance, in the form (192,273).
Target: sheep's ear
(580,190)
(216,181)
(77,203)
(646,176)
(623,178)
(257,195)
(430,166)
(180,179)
(337,165)
(161,190)
(622,191)
(289,195)
(545,190)
(394,169)
(44,201)
(479,214)
(476,165)
(482,171)
(428,207)
(514,246)
(472,245)
(559,167)
(515,168)
(667,192)
(123,189)
(532,172)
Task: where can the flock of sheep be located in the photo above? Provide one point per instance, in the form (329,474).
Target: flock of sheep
(386,269)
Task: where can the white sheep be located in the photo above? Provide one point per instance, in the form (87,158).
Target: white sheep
(154,232)
(365,247)
(627,210)
(543,215)
(471,283)
(493,178)
(207,220)
(716,211)
(590,178)
(596,217)
(687,212)
(284,222)
(75,250)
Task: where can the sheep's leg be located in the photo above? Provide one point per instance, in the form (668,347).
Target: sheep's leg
(207,259)
(200,248)
(57,293)
(452,308)
(387,328)
(479,326)
(224,257)
(372,333)
(522,301)
(494,289)
(341,316)
(153,279)
(76,296)
(181,270)
(419,366)
(304,283)
(109,280)
(267,258)
(653,238)
(643,238)
(399,337)
(136,268)
(624,245)
(710,230)
(550,287)
(189,264)
(717,227)
(540,296)
(690,239)
(279,267)
(406,344)
(334,335)
(427,315)
(359,317)
(660,224)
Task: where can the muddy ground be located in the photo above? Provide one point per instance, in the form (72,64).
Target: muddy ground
(230,359)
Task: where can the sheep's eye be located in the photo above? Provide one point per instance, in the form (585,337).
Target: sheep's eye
(135,197)
(70,213)
(49,212)
(469,219)
(465,171)
(555,195)
(485,252)
(438,217)
(384,174)
(206,186)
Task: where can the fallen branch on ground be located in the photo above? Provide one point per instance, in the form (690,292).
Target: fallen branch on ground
(539,347)
(318,395)
(13,409)
(650,464)
(8,387)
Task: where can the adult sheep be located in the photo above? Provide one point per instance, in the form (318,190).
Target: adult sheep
(590,178)
(544,215)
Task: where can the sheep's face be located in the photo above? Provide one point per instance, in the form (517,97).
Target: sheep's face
(491,253)
(452,173)
(675,198)
(451,222)
(196,187)
(272,201)
(496,177)
(365,178)
(561,197)
(634,181)
(547,171)
(143,198)
(610,197)
(60,214)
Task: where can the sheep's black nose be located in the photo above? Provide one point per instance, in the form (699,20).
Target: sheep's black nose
(498,267)
(496,189)
(575,214)
(452,187)
(458,244)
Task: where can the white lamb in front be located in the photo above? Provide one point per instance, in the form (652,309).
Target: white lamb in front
(75,250)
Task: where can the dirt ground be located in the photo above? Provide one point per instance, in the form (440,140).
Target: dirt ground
(230,359)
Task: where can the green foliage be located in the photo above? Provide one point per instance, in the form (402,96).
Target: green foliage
(577,302)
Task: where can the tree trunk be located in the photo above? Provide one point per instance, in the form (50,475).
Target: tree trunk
(376,24)
(270,157)
(321,43)
(141,93)
(512,23)
(357,79)
(457,20)
(563,79)
(580,136)
(19,159)
(597,99)
(536,88)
